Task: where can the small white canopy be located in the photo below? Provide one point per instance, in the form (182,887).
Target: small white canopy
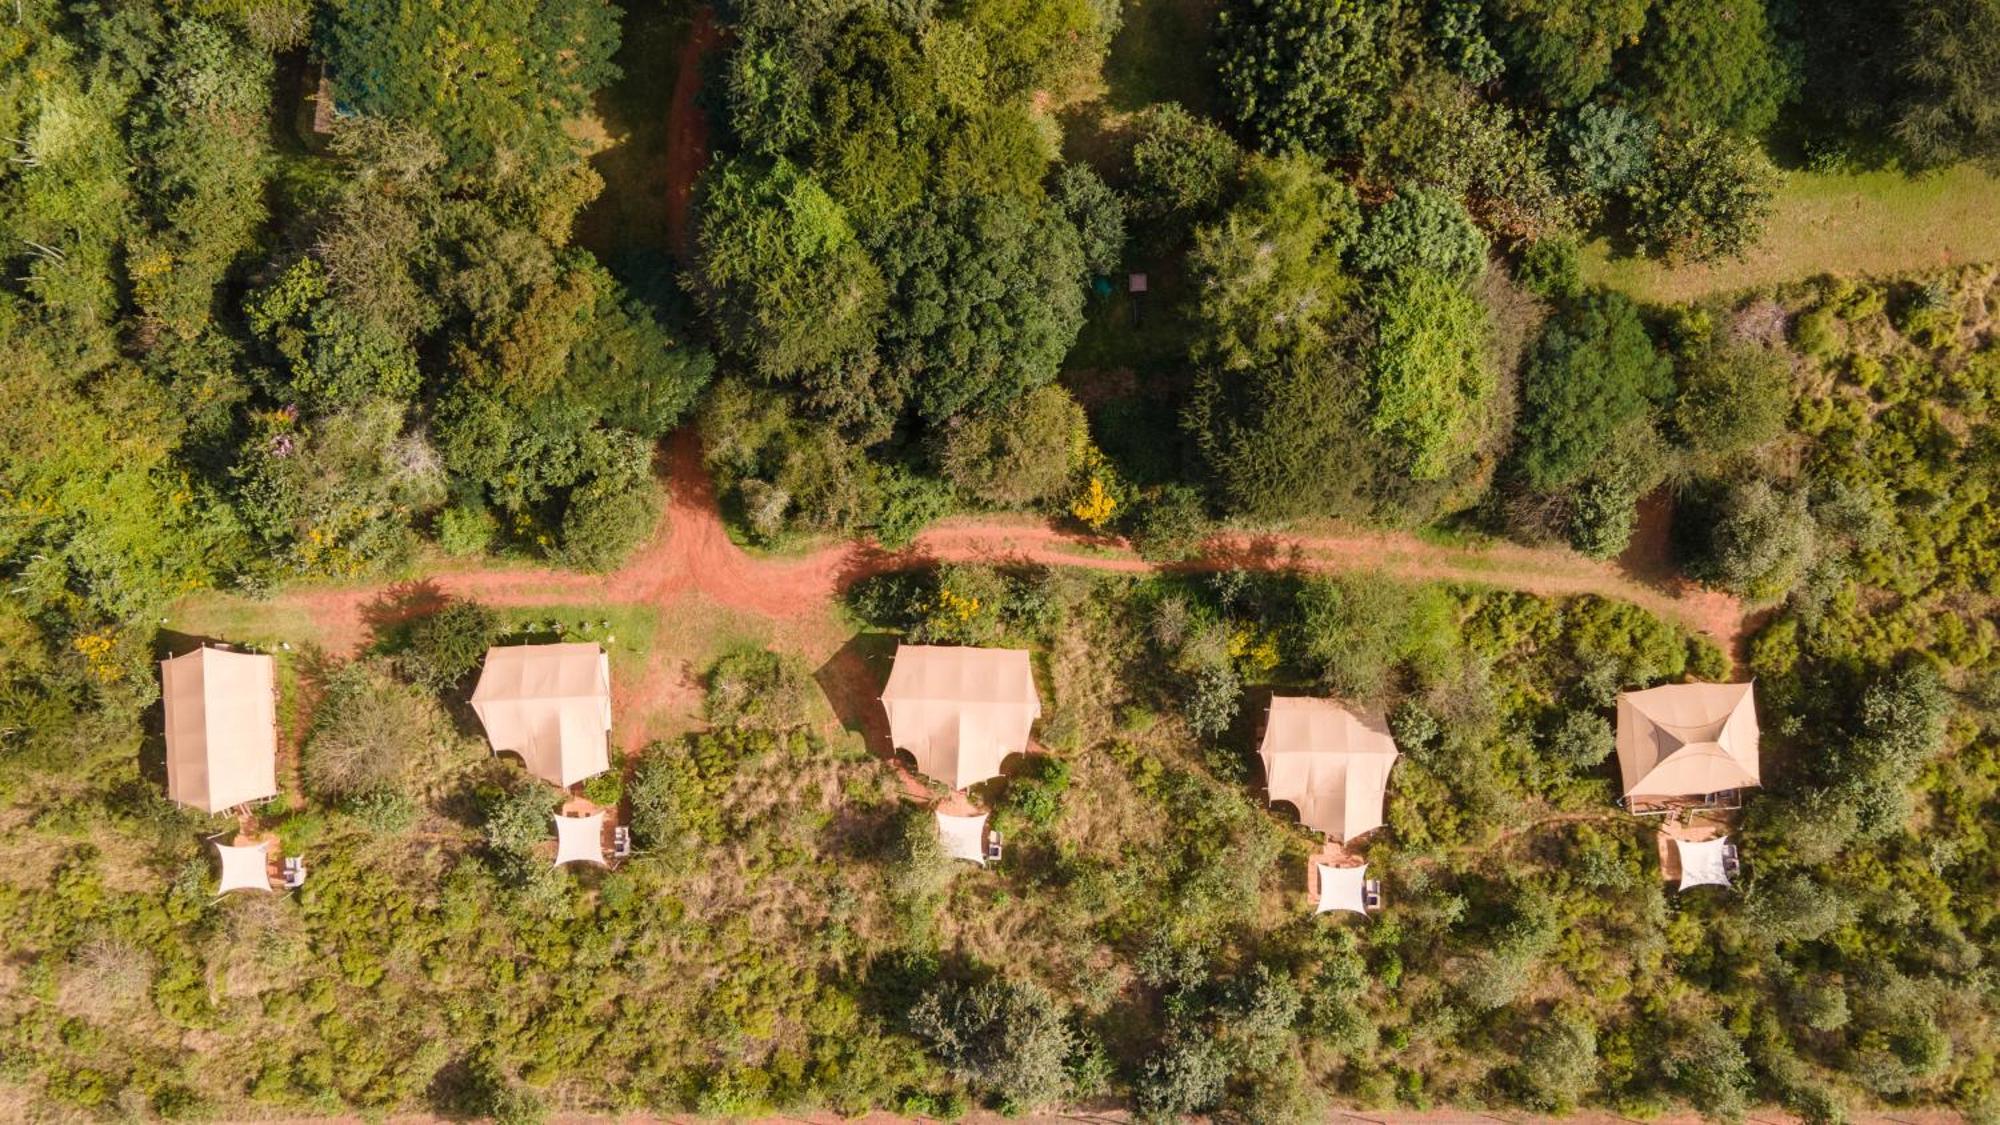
(580,839)
(243,868)
(1340,888)
(1702,862)
(964,836)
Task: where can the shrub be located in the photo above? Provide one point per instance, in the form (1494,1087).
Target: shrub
(757,688)
(1182,165)
(1431,375)
(1169,525)
(1421,229)
(466,529)
(1098,214)
(1549,267)
(1010,1038)
(964,607)
(519,819)
(447,645)
(372,734)
(1593,373)
(1706,195)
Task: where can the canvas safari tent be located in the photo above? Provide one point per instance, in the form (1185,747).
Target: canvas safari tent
(960,711)
(221,726)
(1686,740)
(551,704)
(1327,762)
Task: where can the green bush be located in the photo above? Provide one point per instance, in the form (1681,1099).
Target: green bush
(371,734)
(1010,1038)
(1421,229)
(760,689)
(447,645)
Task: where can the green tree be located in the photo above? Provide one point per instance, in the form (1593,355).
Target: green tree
(1421,229)
(1760,541)
(1431,381)
(1309,75)
(1949,57)
(780,272)
(1561,50)
(1098,214)
(1011,1038)
(1712,61)
(1593,373)
(1732,398)
(1269,271)
(986,299)
(1183,166)
(1024,453)
(1705,196)
(491,80)
(1287,438)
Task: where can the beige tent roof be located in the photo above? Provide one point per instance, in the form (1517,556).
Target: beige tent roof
(551,704)
(960,711)
(580,839)
(1331,764)
(964,837)
(243,868)
(1685,740)
(222,728)
(1342,888)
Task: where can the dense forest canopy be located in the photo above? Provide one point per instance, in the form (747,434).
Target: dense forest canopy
(294,306)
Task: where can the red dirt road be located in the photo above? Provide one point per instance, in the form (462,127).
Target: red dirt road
(690,556)
(687,129)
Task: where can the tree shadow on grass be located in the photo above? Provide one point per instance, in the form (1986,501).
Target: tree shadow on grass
(390,613)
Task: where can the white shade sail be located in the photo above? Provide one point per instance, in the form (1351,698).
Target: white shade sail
(243,868)
(960,711)
(1341,888)
(221,728)
(1702,862)
(580,839)
(964,837)
(551,704)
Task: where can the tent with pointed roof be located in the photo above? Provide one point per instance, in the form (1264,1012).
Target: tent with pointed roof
(960,711)
(221,727)
(964,837)
(1687,740)
(1703,862)
(244,868)
(1329,763)
(1342,888)
(580,839)
(551,704)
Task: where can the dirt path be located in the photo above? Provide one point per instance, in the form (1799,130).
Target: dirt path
(690,556)
(687,129)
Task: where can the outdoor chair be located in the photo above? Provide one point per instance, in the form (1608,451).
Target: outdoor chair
(621,842)
(993,847)
(1371,894)
(1732,865)
(295,872)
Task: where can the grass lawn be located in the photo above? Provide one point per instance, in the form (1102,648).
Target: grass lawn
(1161,55)
(1862,223)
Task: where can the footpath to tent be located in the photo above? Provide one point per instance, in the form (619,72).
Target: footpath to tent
(690,561)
